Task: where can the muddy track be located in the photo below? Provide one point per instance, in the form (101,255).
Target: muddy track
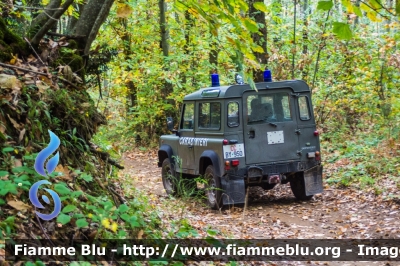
(276,214)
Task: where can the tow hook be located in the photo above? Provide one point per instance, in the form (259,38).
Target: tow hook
(274,179)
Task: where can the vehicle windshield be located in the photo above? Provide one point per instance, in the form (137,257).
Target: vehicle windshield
(272,107)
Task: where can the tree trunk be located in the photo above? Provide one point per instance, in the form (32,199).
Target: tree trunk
(73,20)
(357,18)
(305,38)
(259,38)
(105,10)
(167,87)
(163,28)
(90,20)
(188,28)
(132,89)
(389,5)
(213,56)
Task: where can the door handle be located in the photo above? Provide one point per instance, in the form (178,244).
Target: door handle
(190,146)
(251,134)
(273,124)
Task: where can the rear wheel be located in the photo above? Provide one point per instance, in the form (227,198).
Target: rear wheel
(169,178)
(298,187)
(213,188)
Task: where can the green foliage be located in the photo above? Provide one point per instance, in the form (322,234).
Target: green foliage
(342,30)
(7,226)
(260,6)
(325,5)
(68,208)
(63,218)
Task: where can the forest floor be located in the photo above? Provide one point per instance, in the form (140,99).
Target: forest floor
(337,213)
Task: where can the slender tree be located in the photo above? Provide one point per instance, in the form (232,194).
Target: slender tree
(305,37)
(259,38)
(164,44)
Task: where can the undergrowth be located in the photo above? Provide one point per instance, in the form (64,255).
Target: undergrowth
(362,158)
(94,201)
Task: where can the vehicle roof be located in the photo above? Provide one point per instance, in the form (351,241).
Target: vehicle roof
(238,90)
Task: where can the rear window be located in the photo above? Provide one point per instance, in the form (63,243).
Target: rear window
(304,108)
(274,107)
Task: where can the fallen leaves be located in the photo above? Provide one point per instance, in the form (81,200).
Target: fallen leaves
(19,205)
(9,82)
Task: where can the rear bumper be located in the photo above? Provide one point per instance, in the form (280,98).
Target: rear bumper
(233,182)
(278,168)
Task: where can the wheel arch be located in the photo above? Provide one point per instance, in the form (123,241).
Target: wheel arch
(209,157)
(164,152)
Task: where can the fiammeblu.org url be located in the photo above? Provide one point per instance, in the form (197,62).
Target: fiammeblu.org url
(231,250)
(287,250)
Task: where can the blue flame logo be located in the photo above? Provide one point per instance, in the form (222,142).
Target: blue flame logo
(45,153)
(50,166)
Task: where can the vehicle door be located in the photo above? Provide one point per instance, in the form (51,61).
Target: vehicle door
(308,137)
(186,163)
(208,130)
(270,128)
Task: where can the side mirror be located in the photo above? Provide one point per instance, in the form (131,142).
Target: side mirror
(170,124)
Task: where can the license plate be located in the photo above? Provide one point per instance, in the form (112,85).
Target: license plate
(233,151)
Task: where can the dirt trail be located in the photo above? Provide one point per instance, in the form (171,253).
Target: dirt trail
(275,214)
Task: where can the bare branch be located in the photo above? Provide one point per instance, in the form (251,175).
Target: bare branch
(39,73)
(38,8)
(46,27)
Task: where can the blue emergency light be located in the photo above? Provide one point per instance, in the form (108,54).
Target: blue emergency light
(267,76)
(214,80)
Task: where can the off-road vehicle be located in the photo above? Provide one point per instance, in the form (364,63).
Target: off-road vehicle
(235,137)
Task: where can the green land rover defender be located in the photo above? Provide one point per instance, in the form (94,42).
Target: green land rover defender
(234,137)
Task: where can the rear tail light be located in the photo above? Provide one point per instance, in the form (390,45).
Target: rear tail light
(316,133)
(235,163)
(225,142)
(317,156)
(227,165)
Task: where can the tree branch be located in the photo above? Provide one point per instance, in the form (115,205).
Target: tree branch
(39,73)
(375,10)
(42,18)
(65,35)
(46,27)
(106,157)
(38,8)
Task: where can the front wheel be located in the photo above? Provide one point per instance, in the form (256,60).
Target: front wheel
(169,177)
(213,188)
(298,187)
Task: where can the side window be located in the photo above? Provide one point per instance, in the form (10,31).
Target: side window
(188,116)
(304,108)
(210,115)
(233,114)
